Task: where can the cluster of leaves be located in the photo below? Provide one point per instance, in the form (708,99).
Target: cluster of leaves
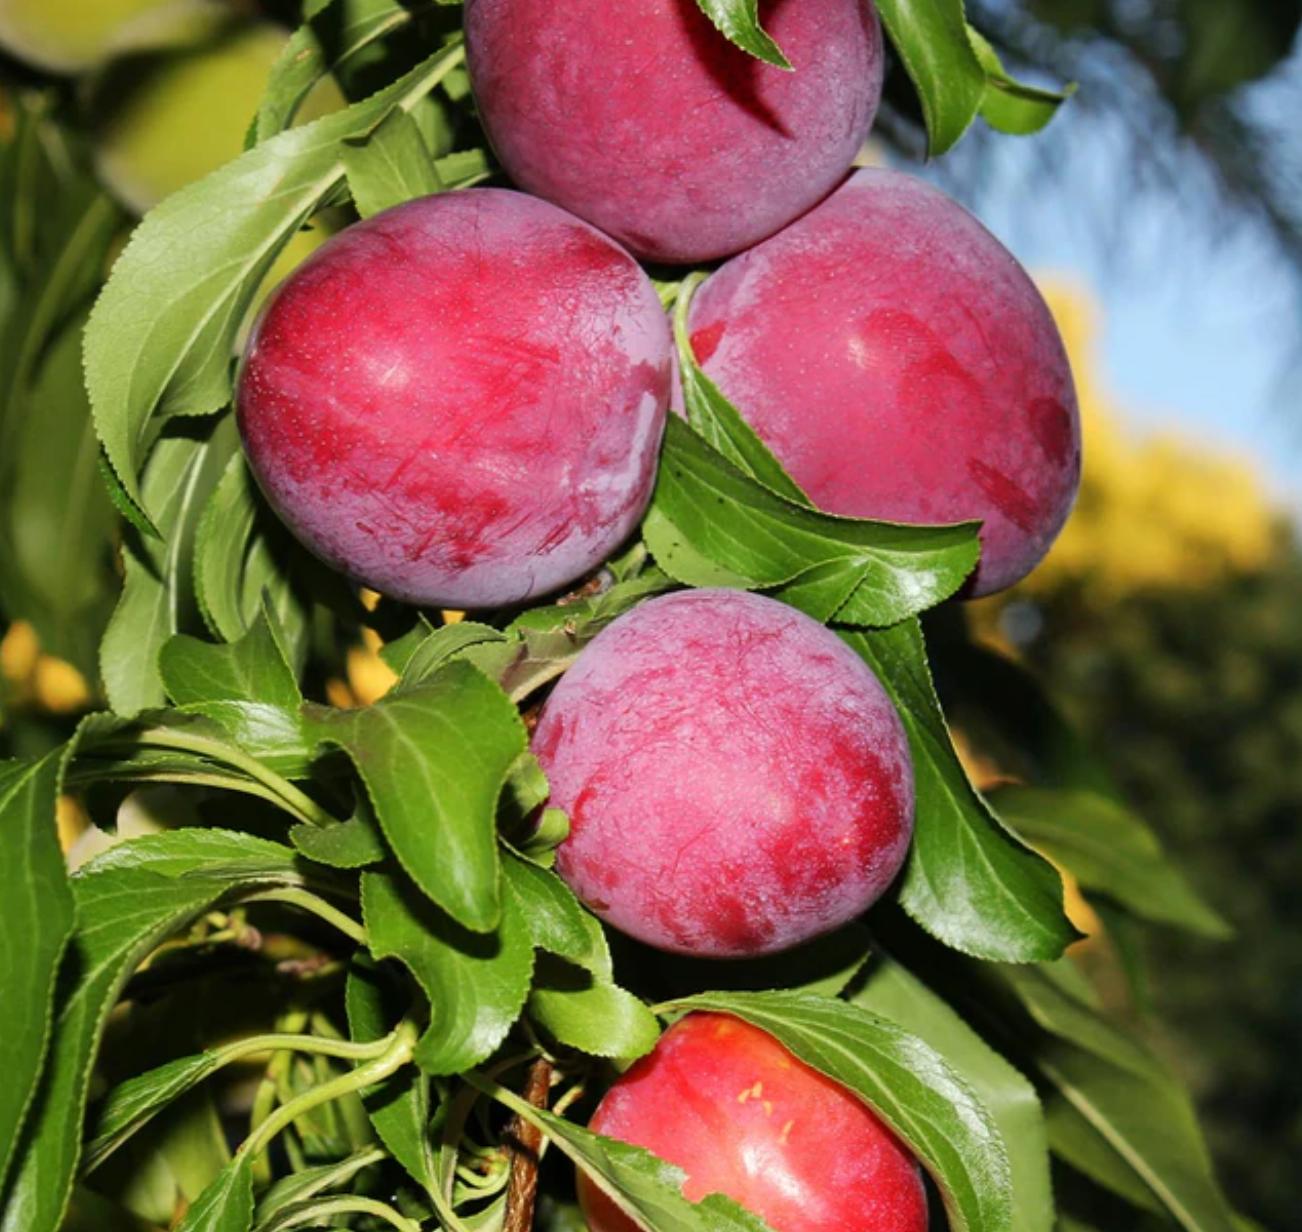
(1193,697)
(313,996)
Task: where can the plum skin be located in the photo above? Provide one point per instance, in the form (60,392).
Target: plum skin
(736,778)
(925,382)
(642,118)
(459,401)
(742,1116)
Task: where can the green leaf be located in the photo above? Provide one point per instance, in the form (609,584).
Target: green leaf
(884,573)
(1009,105)
(243,558)
(891,991)
(905,1081)
(1129,1099)
(738,22)
(648,1189)
(252,669)
(716,419)
(464,169)
(308,1182)
(1073,1139)
(391,166)
(133,1104)
(558,923)
(352,26)
(127,901)
(227,1204)
(162,332)
(931,38)
(36,918)
(476,982)
(158,588)
(588,1012)
(440,647)
(433,760)
(1110,852)
(721,425)
(968,881)
(399,1107)
(354,843)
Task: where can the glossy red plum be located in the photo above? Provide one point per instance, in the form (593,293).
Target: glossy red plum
(459,401)
(742,1116)
(901,364)
(642,118)
(736,778)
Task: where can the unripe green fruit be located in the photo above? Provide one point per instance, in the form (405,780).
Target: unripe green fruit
(69,36)
(164,120)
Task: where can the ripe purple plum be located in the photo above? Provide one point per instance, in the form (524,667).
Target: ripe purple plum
(459,401)
(902,366)
(736,778)
(642,118)
(743,1117)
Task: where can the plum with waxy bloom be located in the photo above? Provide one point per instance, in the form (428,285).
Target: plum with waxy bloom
(902,366)
(737,780)
(459,401)
(642,118)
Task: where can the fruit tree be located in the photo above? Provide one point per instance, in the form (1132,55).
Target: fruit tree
(647,438)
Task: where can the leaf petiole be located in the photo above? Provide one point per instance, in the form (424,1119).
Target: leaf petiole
(400,1046)
(296,897)
(283,792)
(312,1212)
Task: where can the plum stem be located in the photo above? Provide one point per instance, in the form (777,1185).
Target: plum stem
(525,1144)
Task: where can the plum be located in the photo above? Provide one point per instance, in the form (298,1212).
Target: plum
(643,119)
(459,401)
(736,778)
(900,363)
(742,1116)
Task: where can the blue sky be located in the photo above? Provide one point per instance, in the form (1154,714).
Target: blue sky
(1202,328)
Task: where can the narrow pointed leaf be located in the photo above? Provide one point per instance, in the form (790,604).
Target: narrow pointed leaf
(243,558)
(558,923)
(931,38)
(968,881)
(134,1103)
(738,21)
(399,1107)
(1128,1097)
(36,918)
(1110,852)
(891,991)
(157,595)
(706,504)
(226,1205)
(304,60)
